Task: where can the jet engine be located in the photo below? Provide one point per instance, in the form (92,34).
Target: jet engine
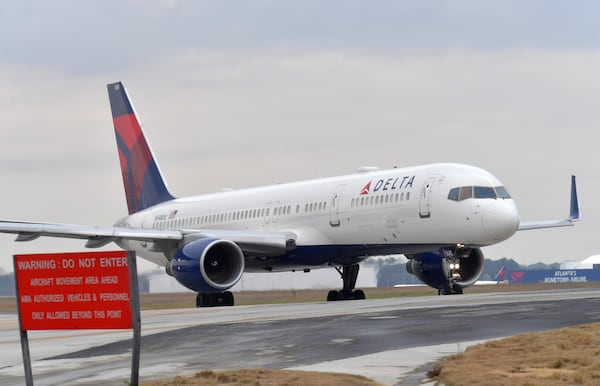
(448,270)
(208,265)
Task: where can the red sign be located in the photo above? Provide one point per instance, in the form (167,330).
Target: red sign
(63,291)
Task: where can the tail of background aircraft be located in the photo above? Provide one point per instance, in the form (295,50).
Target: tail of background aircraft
(144,184)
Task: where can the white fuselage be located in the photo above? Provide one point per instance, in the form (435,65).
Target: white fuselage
(402,210)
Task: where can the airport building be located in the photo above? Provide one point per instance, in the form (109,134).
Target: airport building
(569,272)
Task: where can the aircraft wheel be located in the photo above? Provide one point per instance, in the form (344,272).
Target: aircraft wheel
(228,298)
(332,296)
(454,290)
(204,300)
(457,290)
(359,295)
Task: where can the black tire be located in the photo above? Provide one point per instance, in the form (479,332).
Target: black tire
(205,300)
(332,296)
(228,299)
(359,295)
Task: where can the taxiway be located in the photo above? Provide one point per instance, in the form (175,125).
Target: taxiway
(392,341)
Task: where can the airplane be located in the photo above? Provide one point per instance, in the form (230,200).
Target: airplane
(438,215)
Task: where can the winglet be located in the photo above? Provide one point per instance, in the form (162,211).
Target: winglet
(574,212)
(574,215)
(144,184)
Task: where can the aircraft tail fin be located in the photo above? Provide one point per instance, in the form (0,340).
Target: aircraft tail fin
(144,184)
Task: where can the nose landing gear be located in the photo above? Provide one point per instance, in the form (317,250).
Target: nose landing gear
(451,266)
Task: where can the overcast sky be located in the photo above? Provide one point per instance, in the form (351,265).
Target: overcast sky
(243,93)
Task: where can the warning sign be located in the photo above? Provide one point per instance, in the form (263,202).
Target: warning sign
(88,290)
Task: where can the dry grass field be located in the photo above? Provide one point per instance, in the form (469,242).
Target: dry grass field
(264,377)
(568,356)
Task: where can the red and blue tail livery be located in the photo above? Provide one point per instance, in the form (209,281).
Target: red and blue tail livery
(144,184)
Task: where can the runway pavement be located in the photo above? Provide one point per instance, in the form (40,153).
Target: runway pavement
(392,341)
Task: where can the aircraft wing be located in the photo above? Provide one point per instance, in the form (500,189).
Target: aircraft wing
(569,221)
(251,242)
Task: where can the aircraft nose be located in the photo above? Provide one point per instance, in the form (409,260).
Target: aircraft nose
(500,219)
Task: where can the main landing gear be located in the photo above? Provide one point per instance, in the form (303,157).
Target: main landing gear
(349,274)
(214,300)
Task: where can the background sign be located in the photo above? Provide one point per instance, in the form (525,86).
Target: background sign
(87,290)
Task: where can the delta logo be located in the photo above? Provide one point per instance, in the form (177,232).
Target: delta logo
(388,184)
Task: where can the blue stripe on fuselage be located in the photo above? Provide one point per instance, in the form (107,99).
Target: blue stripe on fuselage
(323,255)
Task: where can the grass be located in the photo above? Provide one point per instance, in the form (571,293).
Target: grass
(567,356)
(264,377)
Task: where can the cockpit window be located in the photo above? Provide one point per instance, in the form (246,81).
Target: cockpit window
(477,192)
(484,192)
(465,192)
(502,192)
(453,194)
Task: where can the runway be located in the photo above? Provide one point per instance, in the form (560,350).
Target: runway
(390,340)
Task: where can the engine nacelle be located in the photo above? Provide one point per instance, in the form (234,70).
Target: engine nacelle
(208,265)
(447,269)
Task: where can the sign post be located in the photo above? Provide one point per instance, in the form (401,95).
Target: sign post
(72,291)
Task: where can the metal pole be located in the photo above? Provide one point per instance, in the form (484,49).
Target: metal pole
(23,334)
(26,358)
(135,317)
